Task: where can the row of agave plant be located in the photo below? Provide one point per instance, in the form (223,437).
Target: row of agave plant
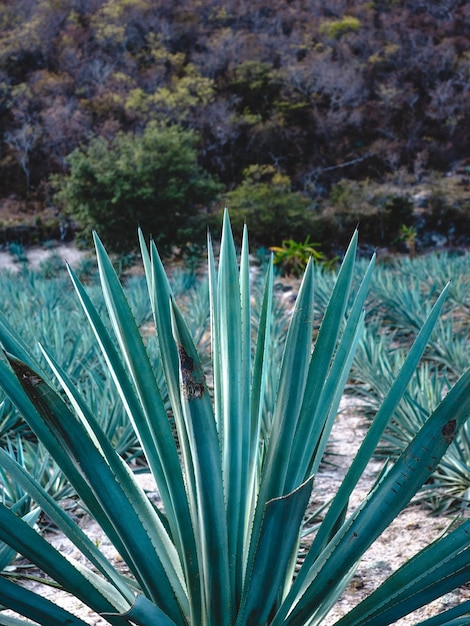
(400,302)
(235,467)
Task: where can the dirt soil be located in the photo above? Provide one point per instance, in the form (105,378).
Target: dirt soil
(36,255)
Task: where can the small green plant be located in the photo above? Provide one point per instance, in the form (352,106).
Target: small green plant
(407,235)
(292,257)
(18,253)
(236,481)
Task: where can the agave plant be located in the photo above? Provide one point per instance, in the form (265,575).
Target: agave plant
(374,368)
(234,482)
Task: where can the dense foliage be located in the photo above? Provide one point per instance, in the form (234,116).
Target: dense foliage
(264,200)
(320,91)
(152,180)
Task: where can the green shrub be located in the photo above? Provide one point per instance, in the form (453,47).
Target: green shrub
(265,201)
(256,85)
(152,180)
(335,29)
(449,204)
(379,210)
(236,482)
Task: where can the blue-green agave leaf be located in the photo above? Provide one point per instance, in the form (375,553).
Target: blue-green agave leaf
(387,499)
(34,607)
(76,443)
(207,464)
(143,613)
(278,541)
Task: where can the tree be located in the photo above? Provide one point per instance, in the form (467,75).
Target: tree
(152,180)
(22,141)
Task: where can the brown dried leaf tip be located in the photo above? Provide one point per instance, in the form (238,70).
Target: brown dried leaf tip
(191,388)
(27,377)
(448,430)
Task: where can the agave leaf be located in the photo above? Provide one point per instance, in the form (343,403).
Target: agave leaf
(143,613)
(34,606)
(290,391)
(160,294)
(440,567)
(7,554)
(76,443)
(375,432)
(20,536)
(248,445)
(333,389)
(205,451)
(11,385)
(168,474)
(234,417)
(6,620)
(133,350)
(146,261)
(12,342)
(386,500)
(142,426)
(184,501)
(450,617)
(332,393)
(308,430)
(106,589)
(439,581)
(260,371)
(146,512)
(66,525)
(278,539)
(214,324)
(291,388)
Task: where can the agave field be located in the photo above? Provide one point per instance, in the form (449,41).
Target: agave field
(158,372)
(41,306)
(402,295)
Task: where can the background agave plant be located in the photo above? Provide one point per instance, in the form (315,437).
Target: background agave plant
(397,307)
(234,478)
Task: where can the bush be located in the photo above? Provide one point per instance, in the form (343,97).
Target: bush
(152,180)
(379,210)
(335,29)
(265,201)
(449,204)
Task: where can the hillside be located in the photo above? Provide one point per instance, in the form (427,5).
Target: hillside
(374,92)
